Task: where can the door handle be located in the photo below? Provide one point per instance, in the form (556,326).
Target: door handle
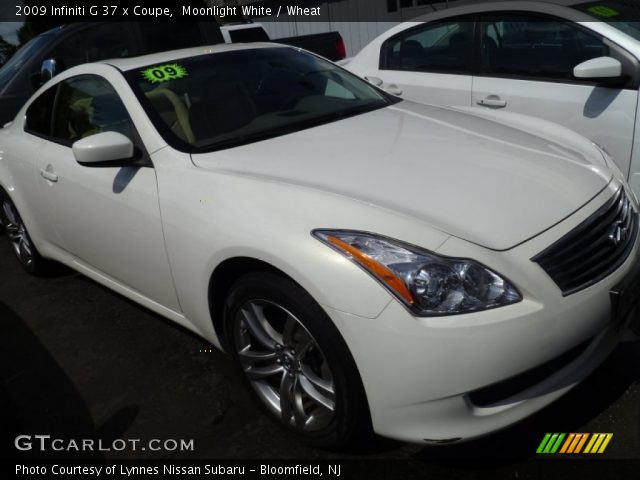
(492,101)
(47,175)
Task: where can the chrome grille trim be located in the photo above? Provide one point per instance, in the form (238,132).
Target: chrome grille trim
(594,249)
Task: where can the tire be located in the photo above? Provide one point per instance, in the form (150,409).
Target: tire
(282,341)
(21,244)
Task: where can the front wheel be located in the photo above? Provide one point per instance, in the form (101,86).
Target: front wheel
(294,361)
(21,244)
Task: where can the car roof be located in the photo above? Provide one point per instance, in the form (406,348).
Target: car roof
(131,63)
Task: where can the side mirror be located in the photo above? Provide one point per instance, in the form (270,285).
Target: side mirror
(599,68)
(47,70)
(107,149)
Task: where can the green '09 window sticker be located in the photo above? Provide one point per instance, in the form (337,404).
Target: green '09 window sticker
(603,11)
(164,73)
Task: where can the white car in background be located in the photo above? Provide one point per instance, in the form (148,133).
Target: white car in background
(573,62)
(368,263)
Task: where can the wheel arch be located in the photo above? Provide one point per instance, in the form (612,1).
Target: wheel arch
(223,277)
(232,269)
(17,197)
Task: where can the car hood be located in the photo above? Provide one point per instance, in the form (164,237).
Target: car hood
(477,179)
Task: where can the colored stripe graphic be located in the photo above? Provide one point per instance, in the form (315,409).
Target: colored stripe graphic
(550,443)
(594,439)
(569,441)
(574,443)
(543,443)
(582,439)
(605,444)
(598,443)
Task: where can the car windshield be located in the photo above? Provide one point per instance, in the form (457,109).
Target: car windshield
(215,101)
(9,69)
(621,14)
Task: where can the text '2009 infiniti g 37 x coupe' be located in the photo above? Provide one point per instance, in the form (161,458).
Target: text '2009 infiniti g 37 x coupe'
(426,273)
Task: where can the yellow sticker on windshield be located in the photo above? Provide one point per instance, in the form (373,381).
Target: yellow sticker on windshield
(603,11)
(164,73)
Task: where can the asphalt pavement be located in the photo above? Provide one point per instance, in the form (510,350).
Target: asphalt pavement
(79,361)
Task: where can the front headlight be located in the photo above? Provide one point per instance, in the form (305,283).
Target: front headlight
(427,283)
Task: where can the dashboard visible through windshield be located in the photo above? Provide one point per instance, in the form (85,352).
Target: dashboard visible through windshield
(221,100)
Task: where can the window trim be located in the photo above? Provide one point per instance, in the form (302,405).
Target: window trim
(471,68)
(628,60)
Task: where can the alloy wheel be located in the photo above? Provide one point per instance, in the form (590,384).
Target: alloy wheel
(17,233)
(285,365)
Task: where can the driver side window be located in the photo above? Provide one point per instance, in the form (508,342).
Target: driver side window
(536,47)
(87,105)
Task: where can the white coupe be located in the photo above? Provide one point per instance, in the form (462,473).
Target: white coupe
(427,273)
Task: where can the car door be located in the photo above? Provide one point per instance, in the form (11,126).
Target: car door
(108,217)
(527,63)
(429,63)
(32,145)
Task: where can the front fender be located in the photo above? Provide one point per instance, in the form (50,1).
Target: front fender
(210,216)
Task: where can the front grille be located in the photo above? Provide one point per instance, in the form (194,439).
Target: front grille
(594,249)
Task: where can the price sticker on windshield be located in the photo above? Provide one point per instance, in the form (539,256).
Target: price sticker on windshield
(603,11)
(164,73)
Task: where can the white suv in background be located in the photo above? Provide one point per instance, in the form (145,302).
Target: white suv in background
(575,63)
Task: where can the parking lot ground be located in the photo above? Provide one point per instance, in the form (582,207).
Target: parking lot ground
(78,361)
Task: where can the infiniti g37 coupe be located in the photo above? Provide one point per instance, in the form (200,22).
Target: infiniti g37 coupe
(429,274)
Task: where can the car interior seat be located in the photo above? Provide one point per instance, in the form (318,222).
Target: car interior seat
(412,54)
(458,51)
(489,51)
(77,123)
(108,114)
(173,112)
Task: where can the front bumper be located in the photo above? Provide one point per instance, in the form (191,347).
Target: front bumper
(452,378)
